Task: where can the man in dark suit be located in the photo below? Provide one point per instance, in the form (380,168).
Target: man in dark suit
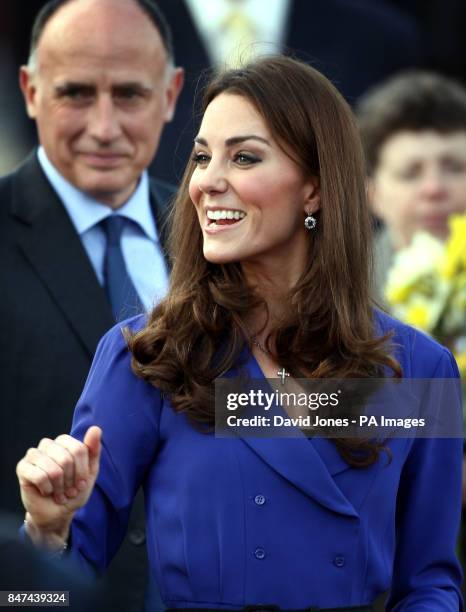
(25,568)
(80,220)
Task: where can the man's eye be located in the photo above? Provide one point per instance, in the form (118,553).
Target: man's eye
(200,159)
(127,94)
(77,93)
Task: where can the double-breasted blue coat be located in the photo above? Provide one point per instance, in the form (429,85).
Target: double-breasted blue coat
(240,521)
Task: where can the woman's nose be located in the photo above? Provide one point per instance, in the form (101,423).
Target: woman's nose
(434,183)
(212,179)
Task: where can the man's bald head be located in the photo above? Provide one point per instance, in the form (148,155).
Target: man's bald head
(52,7)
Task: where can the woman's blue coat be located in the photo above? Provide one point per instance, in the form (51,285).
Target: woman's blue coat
(240,521)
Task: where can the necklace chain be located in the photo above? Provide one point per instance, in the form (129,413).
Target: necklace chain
(282,373)
(260,346)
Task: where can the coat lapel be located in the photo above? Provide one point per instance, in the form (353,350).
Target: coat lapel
(51,245)
(308,464)
(161,197)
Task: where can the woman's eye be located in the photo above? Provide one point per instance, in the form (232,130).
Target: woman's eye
(246,159)
(410,173)
(455,166)
(201,159)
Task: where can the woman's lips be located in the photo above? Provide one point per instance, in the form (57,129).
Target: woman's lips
(221,225)
(435,221)
(225,221)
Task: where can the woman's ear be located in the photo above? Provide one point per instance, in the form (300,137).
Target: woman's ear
(312,199)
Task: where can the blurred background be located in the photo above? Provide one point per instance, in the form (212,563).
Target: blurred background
(356,43)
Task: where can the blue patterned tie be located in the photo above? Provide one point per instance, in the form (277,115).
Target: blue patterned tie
(121,293)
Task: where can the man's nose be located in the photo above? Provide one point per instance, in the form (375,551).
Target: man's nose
(104,124)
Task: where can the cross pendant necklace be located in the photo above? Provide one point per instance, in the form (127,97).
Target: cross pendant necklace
(282,373)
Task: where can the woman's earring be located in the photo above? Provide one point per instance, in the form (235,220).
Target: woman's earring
(310,222)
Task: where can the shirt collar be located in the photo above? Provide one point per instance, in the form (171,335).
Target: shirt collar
(85,212)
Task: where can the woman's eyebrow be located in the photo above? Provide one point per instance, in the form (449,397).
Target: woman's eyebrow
(234,140)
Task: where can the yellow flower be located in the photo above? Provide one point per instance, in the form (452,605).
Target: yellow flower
(426,286)
(421,312)
(461,361)
(414,269)
(397,293)
(454,259)
(454,315)
(418,315)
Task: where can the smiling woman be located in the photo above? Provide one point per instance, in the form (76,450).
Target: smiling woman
(270,242)
(277,144)
(242,171)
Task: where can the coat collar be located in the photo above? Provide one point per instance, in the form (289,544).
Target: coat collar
(309,464)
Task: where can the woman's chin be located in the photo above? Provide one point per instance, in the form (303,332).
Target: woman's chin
(216,256)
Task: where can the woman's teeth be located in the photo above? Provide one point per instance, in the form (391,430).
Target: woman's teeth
(215,215)
(225,217)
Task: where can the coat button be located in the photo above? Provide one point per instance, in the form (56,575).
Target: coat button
(137,537)
(339,561)
(259,553)
(259,500)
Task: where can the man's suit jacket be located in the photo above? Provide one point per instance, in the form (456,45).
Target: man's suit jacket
(355,43)
(53,312)
(246,519)
(25,568)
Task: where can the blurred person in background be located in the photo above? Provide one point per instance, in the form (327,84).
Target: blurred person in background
(81,222)
(413,129)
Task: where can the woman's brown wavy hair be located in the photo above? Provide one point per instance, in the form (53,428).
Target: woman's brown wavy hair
(197,332)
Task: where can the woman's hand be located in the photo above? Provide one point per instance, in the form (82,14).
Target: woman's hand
(56,479)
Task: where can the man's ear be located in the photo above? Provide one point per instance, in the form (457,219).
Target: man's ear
(29,89)
(173,91)
(312,201)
